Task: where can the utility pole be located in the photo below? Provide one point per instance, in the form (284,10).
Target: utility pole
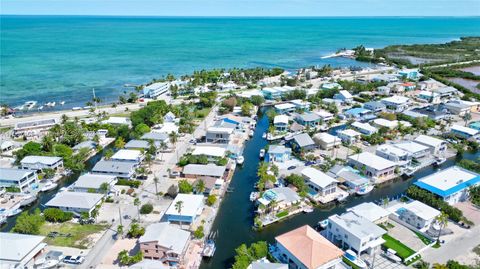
(120,215)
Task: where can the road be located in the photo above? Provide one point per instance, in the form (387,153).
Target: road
(97,253)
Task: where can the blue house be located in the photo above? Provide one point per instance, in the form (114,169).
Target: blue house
(409,73)
(278,153)
(308,119)
(357,112)
(192,206)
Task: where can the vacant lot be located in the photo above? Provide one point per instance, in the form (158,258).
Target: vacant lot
(71,234)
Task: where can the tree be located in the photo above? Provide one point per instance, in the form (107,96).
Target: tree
(442,220)
(211,199)
(29,223)
(57,215)
(120,230)
(184,186)
(108,154)
(162,147)
(200,186)
(142,129)
(48,173)
(179,207)
(156,180)
(466,118)
(136,230)
(173,139)
(136,203)
(119,143)
(198,233)
(104,187)
(172,191)
(146,209)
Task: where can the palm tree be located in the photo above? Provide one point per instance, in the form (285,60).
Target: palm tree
(200,186)
(442,220)
(136,203)
(466,118)
(173,139)
(156,179)
(179,207)
(162,147)
(120,230)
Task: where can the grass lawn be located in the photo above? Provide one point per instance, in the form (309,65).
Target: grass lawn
(282,214)
(351,264)
(79,233)
(424,239)
(402,250)
(202,113)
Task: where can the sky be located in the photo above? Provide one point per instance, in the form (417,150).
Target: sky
(243,7)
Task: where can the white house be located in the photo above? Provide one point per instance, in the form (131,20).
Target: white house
(211,152)
(343,96)
(383,123)
(75,202)
(305,248)
(128,155)
(20,178)
(191,206)
(436,146)
(285,108)
(418,214)
(319,183)
(219,135)
(118,121)
(451,184)
(326,141)
(371,212)
(156,89)
(416,150)
(348,136)
(118,169)
(41,162)
(373,166)
(355,232)
(88,182)
(281,123)
(364,128)
(394,154)
(396,103)
(20,250)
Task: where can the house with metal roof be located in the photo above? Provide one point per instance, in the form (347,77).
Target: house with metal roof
(349,177)
(33,128)
(300,104)
(327,141)
(375,106)
(348,136)
(156,89)
(156,136)
(128,155)
(282,196)
(20,178)
(220,135)
(416,150)
(343,96)
(310,119)
(41,162)
(281,123)
(303,142)
(212,152)
(278,153)
(164,242)
(204,170)
(285,108)
(264,263)
(75,202)
(451,184)
(89,182)
(192,207)
(464,132)
(371,212)
(397,155)
(373,166)
(89,144)
(137,144)
(436,146)
(319,183)
(357,113)
(352,231)
(20,250)
(396,103)
(305,248)
(118,121)
(364,128)
(115,168)
(418,214)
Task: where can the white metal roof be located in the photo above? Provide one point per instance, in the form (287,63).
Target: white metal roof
(93,181)
(349,132)
(428,140)
(448,178)
(204,170)
(346,94)
(16,247)
(318,177)
(209,151)
(364,126)
(422,210)
(411,147)
(284,106)
(371,160)
(327,138)
(192,204)
(370,211)
(47,160)
(83,200)
(390,149)
(464,129)
(127,154)
(280,119)
(386,123)
(167,236)
(396,99)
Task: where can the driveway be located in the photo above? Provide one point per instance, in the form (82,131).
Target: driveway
(382,263)
(406,236)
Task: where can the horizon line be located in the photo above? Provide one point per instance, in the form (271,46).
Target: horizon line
(240,16)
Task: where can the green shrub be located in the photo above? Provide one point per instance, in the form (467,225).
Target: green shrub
(146,209)
(211,199)
(57,215)
(130,183)
(198,233)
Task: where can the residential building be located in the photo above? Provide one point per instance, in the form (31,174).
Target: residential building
(352,231)
(416,150)
(20,178)
(364,128)
(428,97)
(348,136)
(371,211)
(213,153)
(397,155)
(219,135)
(375,106)
(75,202)
(33,128)
(331,86)
(119,169)
(324,115)
(156,89)
(326,141)
(396,103)
(264,263)
(302,142)
(464,132)
(278,153)
(445,92)
(271,93)
(349,177)
(301,105)
(164,242)
(191,207)
(418,214)
(89,144)
(457,108)
(283,197)
(118,121)
(285,108)
(373,166)
(319,183)
(128,155)
(305,248)
(157,137)
(436,146)
(451,184)
(7,145)
(20,250)
(204,171)
(170,117)
(384,123)
(41,162)
(149,264)
(434,112)
(358,113)
(409,73)
(136,144)
(308,119)
(92,182)
(281,123)
(343,96)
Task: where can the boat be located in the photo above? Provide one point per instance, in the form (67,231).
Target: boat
(76,108)
(364,190)
(3,219)
(230,189)
(253,196)
(341,197)
(308,210)
(27,200)
(262,153)
(323,223)
(51,104)
(209,248)
(409,171)
(391,255)
(250,133)
(62,103)
(439,161)
(353,258)
(40,107)
(49,186)
(14,212)
(240,160)
(264,135)
(30,104)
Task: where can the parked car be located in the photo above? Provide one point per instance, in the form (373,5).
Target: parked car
(74,259)
(309,163)
(291,167)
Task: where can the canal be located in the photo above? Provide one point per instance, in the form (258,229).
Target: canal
(44,197)
(233,223)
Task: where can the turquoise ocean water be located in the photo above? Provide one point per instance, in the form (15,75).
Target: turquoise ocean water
(53,58)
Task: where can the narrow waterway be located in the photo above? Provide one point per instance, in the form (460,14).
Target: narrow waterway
(235,217)
(44,197)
